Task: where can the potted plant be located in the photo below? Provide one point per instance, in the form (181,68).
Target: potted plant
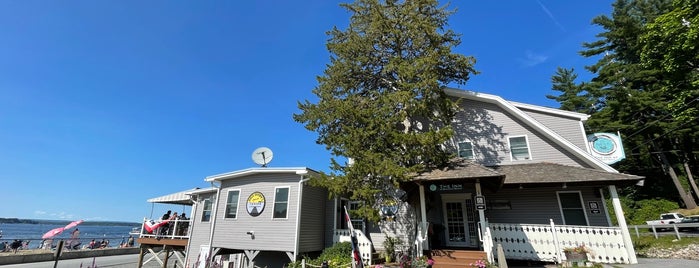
(576,254)
(389,246)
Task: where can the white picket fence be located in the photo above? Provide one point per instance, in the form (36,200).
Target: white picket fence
(542,242)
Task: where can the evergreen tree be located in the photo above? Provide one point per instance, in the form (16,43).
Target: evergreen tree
(381,101)
(630,91)
(573,97)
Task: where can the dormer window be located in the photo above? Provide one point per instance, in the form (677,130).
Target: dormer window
(466,150)
(519,148)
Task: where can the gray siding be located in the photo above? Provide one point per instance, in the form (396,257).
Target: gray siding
(489,127)
(269,233)
(569,128)
(199,231)
(311,236)
(330,218)
(538,205)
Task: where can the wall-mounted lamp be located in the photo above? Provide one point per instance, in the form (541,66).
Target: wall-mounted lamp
(521,187)
(565,185)
(251,233)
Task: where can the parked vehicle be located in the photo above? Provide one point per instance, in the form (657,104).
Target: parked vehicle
(666,218)
(687,220)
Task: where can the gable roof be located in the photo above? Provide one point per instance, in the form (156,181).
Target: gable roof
(512,109)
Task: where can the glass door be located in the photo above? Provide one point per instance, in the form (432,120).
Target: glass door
(455,220)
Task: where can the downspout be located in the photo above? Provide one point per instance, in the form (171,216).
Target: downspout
(298,212)
(213,220)
(622,224)
(190,230)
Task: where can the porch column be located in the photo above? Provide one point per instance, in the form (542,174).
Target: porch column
(423,217)
(622,224)
(487,245)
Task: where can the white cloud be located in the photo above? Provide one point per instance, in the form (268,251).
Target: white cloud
(39,212)
(532,59)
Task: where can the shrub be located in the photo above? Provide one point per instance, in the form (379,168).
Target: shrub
(337,256)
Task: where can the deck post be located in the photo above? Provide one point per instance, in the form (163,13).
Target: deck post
(423,211)
(622,224)
(167,256)
(140,257)
(487,245)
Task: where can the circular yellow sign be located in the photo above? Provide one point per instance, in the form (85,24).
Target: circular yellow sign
(255,204)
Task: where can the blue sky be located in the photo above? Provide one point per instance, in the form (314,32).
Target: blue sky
(104,104)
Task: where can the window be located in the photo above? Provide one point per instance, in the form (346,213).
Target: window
(519,148)
(206,212)
(357,223)
(466,150)
(572,208)
(232,204)
(281,203)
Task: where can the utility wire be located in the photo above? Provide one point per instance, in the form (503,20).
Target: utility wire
(669,114)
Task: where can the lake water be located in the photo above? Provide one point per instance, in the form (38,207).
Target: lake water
(33,233)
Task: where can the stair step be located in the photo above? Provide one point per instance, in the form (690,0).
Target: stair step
(448,258)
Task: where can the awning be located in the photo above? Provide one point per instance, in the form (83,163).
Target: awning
(179,198)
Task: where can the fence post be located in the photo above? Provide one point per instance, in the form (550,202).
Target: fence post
(559,258)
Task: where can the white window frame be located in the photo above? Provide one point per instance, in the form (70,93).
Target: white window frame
(237,204)
(361,221)
(582,204)
(473,154)
(274,203)
(209,199)
(509,146)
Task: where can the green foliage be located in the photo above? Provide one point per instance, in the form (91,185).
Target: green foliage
(381,100)
(645,86)
(339,255)
(637,212)
(389,246)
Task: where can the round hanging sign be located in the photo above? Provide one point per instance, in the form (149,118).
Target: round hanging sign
(255,204)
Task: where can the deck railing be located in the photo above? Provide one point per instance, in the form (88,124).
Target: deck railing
(364,244)
(542,242)
(176,229)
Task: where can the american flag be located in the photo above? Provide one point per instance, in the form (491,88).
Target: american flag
(356,257)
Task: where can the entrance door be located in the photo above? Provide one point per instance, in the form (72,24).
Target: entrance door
(455,220)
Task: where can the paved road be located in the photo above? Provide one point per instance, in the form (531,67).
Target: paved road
(118,261)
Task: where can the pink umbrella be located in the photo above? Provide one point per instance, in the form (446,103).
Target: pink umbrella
(73,224)
(53,233)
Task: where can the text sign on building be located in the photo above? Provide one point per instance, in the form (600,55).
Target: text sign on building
(606,147)
(480,202)
(446,187)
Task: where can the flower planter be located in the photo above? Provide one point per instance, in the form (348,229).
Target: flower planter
(576,256)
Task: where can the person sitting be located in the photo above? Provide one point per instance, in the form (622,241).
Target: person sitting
(16,245)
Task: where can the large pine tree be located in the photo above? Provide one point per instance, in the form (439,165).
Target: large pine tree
(381,101)
(637,91)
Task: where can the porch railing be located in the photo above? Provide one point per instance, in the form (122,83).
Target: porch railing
(541,242)
(176,229)
(364,244)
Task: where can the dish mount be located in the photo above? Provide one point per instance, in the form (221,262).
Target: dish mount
(262,156)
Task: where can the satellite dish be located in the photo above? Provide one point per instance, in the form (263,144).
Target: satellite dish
(262,156)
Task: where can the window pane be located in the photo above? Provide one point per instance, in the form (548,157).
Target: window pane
(574,217)
(232,204)
(518,148)
(570,200)
(281,202)
(206,212)
(466,150)
(518,142)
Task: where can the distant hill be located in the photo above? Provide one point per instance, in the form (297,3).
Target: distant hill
(91,223)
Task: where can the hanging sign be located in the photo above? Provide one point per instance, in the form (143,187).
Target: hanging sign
(606,147)
(255,204)
(480,202)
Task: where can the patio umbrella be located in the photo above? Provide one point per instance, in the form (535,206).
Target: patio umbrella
(73,224)
(53,232)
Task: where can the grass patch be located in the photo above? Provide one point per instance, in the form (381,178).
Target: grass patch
(643,243)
